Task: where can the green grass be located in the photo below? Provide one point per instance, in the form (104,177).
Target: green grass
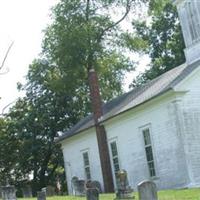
(191,194)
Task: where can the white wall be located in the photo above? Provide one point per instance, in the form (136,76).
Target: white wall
(73,159)
(190,112)
(160,116)
(174,121)
(167,148)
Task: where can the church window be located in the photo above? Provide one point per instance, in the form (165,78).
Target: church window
(86,165)
(193,20)
(149,152)
(115,158)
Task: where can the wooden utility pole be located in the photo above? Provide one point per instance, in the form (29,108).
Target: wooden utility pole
(100,132)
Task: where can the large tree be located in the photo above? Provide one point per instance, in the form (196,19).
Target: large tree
(37,119)
(83,35)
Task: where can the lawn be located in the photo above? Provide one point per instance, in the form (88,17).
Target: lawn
(191,194)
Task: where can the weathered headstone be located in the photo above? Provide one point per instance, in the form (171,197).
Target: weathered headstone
(78,187)
(73,183)
(27,191)
(92,193)
(0,192)
(123,189)
(147,190)
(41,195)
(49,190)
(96,184)
(8,192)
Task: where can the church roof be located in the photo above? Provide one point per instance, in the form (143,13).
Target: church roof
(135,97)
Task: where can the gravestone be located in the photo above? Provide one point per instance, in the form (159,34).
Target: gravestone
(92,193)
(0,192)
(78,186)
(147,190)
(41,195)
(8,192)
(27,191)
(96,184)
(124,191)
(49,190)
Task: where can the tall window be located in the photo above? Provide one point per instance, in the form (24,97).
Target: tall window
(149,152)
(115,158)
(86,165)
(193,19)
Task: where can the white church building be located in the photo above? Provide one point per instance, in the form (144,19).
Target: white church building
(152,132)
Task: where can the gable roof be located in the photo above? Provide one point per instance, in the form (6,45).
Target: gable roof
(135,97)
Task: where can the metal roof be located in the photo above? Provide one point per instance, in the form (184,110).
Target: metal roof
(135,97)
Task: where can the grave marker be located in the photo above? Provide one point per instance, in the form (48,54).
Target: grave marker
(124,191)
(8,192)
(147,190)
(78,186)
(92,193)
(41,195)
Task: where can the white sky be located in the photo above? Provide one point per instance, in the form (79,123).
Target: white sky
(22,21)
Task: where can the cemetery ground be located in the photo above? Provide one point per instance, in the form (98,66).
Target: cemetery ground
(187,194)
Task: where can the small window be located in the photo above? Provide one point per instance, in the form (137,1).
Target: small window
(115,158)
(86,165)
(149,152)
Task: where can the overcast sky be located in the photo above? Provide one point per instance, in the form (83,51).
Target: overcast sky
(22,21)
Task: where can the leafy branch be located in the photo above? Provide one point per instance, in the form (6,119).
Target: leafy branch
(128,7)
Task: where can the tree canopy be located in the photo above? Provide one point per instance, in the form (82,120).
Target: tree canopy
(9,146)
(162,40)
(82,35)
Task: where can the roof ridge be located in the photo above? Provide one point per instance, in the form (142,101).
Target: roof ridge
(143,85)
(136,96)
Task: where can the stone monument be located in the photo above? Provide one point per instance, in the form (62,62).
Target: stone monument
(49,190)
(27,191)
(147,190)
(96,184)
(123,189)
(0,192)
(92,193)
(78,186)
(41,195)
(8,192)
